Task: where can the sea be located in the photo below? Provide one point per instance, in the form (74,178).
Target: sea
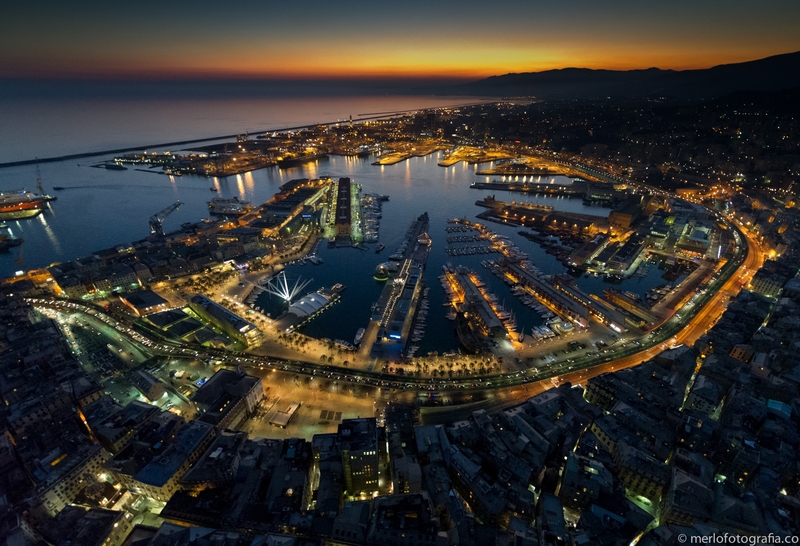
(100,209)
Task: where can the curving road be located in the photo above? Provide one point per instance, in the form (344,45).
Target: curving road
(685,326)
(694,318)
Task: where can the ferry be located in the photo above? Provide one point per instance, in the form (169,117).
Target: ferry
(17,204)
(359,335)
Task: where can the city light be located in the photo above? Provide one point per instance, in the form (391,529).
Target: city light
(279,286)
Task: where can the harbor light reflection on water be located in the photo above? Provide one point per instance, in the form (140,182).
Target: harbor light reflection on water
(101,209)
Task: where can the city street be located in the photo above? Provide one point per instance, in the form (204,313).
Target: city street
(507,386)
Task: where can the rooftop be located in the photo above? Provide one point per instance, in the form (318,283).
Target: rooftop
(159,471)
(222,314)
(359,434)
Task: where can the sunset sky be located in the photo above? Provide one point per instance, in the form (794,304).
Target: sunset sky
(372,39)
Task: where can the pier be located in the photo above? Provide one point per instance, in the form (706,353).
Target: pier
(397,156)
(591,191)
(547,293)
(541,217)
(394,312)
(472,155)
(392,158)
(471,300)
(529,166)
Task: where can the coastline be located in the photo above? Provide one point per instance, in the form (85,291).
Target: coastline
(181,142)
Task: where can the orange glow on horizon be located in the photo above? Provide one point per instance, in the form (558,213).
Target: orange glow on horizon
(464,72)
(414,40)
(458,61)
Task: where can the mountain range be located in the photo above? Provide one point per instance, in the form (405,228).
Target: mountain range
(769,74)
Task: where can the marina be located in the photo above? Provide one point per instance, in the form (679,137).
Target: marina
(396,311)
(455,216)
(250,348)
(371,208)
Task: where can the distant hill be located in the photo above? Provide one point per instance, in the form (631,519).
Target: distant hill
(769,74)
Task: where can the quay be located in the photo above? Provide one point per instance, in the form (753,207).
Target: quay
(397,156)
(632,306)
(520,169)
(567,299)
(294,161)
(491,203)
(576,189)
(341,217)
(392,158)
(545,292)
(394,312)
(470,301)
(412,244)
(450,161)
(541,217)
(529,166)
(590,191)
(473,156)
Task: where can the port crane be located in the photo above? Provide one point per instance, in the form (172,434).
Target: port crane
(158,218)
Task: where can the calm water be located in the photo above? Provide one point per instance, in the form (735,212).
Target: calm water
(52,128)
(100,209)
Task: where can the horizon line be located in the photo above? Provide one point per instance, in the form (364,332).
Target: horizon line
(464,75)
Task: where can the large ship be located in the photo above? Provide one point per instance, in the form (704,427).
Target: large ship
(18,204)
(228,207)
